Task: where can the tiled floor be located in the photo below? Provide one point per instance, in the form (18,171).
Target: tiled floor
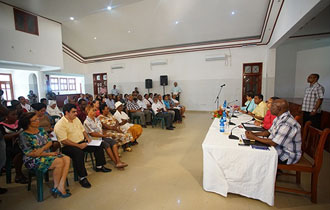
(164,172)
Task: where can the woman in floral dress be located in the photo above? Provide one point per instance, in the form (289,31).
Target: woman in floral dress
(111,126)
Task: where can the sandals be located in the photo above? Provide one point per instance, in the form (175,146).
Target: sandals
(128,149)
(121,165)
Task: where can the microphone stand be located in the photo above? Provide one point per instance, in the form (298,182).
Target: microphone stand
(231,136)
(217,98)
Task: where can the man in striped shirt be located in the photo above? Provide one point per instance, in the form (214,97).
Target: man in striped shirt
(312,102)
(284,135)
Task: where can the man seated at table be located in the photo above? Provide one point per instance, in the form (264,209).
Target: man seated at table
(260,111)
(284,135)
(74,139)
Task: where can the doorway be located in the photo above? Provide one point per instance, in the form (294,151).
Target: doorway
(33,84)
(99,80)
(252,79)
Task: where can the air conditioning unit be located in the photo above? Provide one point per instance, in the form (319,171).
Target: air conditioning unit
(215,57)
(158,62)
(117,66)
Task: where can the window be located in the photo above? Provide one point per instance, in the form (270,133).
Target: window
(6,86)
(54,84)
(63,84)
(26,22)
(72,83)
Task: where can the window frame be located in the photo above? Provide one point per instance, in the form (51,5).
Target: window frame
(53,83)
(72,83)
(26,16)
(63,83)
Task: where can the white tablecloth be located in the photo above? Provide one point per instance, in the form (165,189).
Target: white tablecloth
(229,168)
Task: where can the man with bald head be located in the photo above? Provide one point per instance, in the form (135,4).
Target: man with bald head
(284,135)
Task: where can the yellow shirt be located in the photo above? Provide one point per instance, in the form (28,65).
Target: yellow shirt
(260,110)
(72,131)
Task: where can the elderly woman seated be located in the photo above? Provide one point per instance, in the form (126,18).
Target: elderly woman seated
(125,126)
(44,121)
(53,110)
(93,127)
(111,127)
(35,144)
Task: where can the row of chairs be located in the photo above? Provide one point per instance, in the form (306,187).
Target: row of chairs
(313,141)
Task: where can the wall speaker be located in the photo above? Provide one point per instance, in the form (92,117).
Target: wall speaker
(163,80)
(148,83)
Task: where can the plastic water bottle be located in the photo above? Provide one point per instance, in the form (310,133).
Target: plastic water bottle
(224,116)
(222,125)
(224,105)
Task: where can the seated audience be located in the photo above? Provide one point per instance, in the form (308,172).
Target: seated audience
(123,120)
(33,98)
(176,103)
(284,135)
(269,118)
(72,135)
(53,110)
(114,91)
(161,102)
(150,98)
(17,105)
(146,101)
(35,144)
(26,107)
(3,111)
(135,110)
(110,101)
(111,127)
(160,111)
(81,110)
(169,106)
(249,104)
(260,111)
(96,104)
(44,101)
(44,121)
(10,131)
(93,127)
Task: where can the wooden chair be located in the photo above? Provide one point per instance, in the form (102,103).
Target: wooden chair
(312,145)
(298,118)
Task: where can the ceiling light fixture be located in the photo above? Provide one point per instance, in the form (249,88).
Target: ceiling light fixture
(233,13)
(109,8)
(129,31)
(176,22)
(71,18)
(94,37)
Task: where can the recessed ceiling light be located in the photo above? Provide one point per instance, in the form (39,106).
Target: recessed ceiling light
(176,22)
(129,31)
(109,8)
(94,37)
(71,18)
(233,12)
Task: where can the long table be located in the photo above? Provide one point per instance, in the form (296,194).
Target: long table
(230,168)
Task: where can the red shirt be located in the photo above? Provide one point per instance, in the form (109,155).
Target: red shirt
(81,115)
(268,120)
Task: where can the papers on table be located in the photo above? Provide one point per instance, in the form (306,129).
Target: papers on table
(95,143)
(52,136)
(248,125)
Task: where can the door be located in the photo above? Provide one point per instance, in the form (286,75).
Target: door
(252,78)
(99,80)
(7,86)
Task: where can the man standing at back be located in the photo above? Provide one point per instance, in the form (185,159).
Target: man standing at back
(176,90)
(74,140)
(312,102)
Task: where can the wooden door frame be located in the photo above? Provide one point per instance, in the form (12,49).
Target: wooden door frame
(11,85)
(251,74)
(101,75)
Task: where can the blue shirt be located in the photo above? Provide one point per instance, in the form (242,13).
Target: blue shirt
(167,104)
(249,106)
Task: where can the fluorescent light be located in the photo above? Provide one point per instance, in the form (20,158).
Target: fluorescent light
(109,8)
(71,18)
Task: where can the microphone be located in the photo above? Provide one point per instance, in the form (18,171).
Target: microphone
(223,85)
(231,136)
(232,102)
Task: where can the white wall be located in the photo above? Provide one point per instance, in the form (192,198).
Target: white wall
(199,80)
(20,79)
(17,46)
(312,61)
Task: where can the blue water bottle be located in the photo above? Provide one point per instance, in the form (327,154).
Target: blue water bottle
(224,105)
(222,125)
(224,116)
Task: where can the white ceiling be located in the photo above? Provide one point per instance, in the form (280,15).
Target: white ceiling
(142,24)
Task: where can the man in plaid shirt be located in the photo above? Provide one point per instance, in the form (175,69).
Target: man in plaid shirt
(136,110)
(284,135)
(312,102)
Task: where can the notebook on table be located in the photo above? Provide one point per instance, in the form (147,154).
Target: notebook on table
(252,127)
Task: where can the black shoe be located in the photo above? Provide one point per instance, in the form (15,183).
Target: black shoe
(85,183)
(103,169)
(169,128)
(134,143)
(172,126)
(3,190)
(144,126)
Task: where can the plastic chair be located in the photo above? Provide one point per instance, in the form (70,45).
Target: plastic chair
(40,176)
(155,120)
(312,145)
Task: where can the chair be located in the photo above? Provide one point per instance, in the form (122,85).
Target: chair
(135,118)
(92,159)
(312,145)
(40,176)
(156,120)
(298,118)
(8,170)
